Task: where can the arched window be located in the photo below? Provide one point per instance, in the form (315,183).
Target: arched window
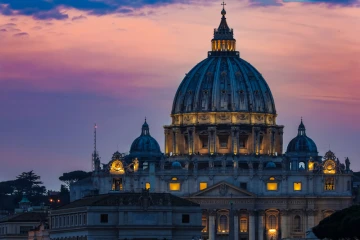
(301,166)
(223,224)
(272,222)
(297,223)
(243,225)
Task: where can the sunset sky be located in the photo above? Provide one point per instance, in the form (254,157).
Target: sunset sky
(66,64)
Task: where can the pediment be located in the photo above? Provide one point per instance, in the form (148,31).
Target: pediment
(223,189)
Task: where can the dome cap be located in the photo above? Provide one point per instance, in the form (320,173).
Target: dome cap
(145,145)
(302,143)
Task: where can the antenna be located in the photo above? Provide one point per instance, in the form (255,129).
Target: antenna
(95,152)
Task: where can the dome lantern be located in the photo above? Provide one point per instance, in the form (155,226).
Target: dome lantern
(223,40)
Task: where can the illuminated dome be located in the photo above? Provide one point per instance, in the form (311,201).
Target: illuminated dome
(302,143)
(223,82)
(145,145)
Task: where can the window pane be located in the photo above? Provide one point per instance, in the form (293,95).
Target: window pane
(174,186)
(203,185)
(147,186)
(297,186)
(272,186)
(243,225)
(224,226)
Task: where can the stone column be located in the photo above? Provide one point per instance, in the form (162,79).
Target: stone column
(212,225)
(212,140)
(167,147)
(261,225)
(234,140)
(310,219)
(284,223)
(251,225)
(175,133)
(236,225)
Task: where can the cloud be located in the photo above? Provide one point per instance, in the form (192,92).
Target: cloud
(22,34)
(37,28)
(267,3)
(44,9)
(77,18)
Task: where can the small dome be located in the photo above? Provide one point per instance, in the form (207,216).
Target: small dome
(270,165)
(176,165)
(145,145)
(302,143)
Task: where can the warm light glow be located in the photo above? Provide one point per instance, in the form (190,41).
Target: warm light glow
(297,186)
(311,166)
(203,185)
(272,230)
(174,179)
(147,186)
(329,167)
(136,165)
(174,186)
(272,186)
(51,200)
(117,167)
(271,178)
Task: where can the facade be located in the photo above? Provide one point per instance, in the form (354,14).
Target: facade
(17,226)
(145,216)
(41,232)
(224,151)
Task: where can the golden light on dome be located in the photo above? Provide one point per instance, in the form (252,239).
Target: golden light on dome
(117,167)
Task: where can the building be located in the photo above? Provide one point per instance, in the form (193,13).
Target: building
(145,216)
(17,226)
(224,151)
(41,232)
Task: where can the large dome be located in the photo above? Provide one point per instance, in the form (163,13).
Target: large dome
(302,143)
(223,82)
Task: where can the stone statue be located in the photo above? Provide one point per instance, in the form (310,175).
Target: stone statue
(347,164)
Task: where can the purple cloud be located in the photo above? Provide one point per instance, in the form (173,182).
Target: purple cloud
(76,18)
(22,34)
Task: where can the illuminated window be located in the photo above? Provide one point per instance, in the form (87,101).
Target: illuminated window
(224,224)
(174,179)
(272,222)
(329,184)
(203,185)
(297,224)
(204,223)
(271,178)
(243,225)
(311,166)
(174,186)
(147,186)
(117,184)
(272,186)
(297,186)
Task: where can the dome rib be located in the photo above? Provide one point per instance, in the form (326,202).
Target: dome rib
(180,89)
(199,84)
(232,84)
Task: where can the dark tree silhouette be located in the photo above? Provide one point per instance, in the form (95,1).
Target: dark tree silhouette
(342,224)
(74,176)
